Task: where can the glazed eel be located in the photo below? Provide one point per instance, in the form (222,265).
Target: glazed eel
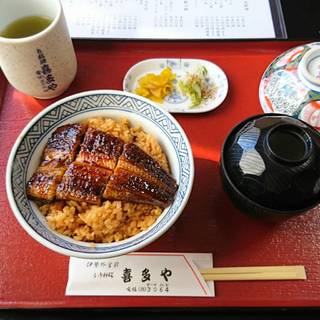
(84,164)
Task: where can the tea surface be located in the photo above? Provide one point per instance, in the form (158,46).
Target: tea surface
(25,27)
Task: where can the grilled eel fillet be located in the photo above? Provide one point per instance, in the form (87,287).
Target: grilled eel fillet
(87,177)
(59,152)
(104,167)
(139,178)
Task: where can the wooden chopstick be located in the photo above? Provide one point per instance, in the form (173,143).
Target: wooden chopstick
(255,273)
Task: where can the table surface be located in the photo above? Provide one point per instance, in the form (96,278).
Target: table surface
(32,276)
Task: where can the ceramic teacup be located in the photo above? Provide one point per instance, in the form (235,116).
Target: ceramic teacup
(42,65)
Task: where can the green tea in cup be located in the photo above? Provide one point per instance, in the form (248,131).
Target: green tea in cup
(36,51)
(25,27)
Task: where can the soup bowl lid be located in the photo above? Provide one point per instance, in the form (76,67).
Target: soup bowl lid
(274,161)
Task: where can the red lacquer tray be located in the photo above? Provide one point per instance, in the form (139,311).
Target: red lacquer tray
(31,276)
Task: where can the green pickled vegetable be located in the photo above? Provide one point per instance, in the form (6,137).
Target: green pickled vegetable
(195,86)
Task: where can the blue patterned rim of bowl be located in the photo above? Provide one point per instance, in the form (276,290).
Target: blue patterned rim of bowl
(65,109)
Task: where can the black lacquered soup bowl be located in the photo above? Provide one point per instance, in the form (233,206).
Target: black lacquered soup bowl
(270,166)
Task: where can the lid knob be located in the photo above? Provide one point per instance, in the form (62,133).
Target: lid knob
(289,144)
(309,69)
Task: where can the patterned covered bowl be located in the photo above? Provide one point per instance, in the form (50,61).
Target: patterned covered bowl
(26,153)
(270,166)
(291,85)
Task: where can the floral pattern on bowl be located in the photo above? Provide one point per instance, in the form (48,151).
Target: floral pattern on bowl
(282,90)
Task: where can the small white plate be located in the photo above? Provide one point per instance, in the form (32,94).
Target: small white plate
(176,102)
